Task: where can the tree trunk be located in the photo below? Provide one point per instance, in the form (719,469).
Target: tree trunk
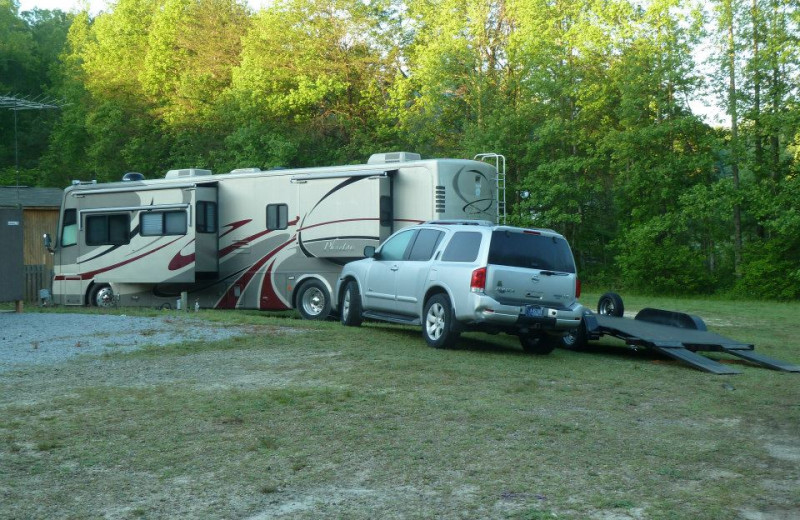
(732,108)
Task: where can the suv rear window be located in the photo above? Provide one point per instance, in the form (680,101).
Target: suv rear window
(531,251)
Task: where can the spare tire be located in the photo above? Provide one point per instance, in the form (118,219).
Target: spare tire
(610,304)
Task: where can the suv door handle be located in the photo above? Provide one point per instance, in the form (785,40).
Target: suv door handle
(395,267)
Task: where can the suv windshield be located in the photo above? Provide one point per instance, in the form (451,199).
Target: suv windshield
(532,251)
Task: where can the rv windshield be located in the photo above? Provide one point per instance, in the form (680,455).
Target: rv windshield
(69,229)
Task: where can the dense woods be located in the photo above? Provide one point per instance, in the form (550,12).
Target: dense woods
(588,99)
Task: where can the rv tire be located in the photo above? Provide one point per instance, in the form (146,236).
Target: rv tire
(313,301)
(101,295)
(350,305)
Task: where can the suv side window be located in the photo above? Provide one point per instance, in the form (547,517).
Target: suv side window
(463,247)
(395,247)
(425,244)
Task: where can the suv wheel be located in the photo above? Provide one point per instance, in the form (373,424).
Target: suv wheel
(350,305)
(539,344)
(576,339)
(437,325)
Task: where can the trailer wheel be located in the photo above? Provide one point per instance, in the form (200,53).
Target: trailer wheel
(539,344)
(350,305)
(313,301)
(610,304)
(101,295)
(437,326)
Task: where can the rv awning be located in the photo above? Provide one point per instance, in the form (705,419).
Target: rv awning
(337,175)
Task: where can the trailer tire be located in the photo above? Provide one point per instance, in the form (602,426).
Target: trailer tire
(314,301)
(438,322)
(101,295)
(610,304)
(350,305)
(538,344)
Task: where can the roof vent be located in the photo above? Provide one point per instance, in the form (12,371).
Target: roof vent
(393,157)
(133,176)
(186,172)
(246,170)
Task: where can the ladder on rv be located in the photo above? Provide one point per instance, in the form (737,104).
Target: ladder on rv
(500,182)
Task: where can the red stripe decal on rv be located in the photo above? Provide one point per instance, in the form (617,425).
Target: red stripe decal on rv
(235,225)
(269,298)
(245,241)
(180,260)
(357,220)
(229,300)
(91,274)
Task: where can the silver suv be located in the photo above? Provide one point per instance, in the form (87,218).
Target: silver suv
(451,277)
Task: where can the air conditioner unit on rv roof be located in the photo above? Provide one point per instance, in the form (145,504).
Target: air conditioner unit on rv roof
(393,157)
(186,172)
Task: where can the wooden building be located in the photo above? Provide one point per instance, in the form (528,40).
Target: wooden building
(40,208)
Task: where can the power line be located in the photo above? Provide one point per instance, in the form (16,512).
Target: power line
(17,103)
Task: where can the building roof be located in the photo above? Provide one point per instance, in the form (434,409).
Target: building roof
(30,197)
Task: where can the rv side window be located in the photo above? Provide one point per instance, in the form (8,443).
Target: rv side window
(69,229)
(277,216)
(103,230)
(206,217)
(386,211)
(163,223)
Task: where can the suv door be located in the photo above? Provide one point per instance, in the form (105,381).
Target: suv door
(379,289)
(528,267)
(413,271)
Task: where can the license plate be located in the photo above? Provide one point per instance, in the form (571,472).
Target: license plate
(534,311)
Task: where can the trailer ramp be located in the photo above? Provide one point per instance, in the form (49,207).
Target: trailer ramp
(678,342)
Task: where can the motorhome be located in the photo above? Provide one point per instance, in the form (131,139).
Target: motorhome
(253,239)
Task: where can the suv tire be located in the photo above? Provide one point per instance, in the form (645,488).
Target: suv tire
(350,305)
(437,322)
(539,344)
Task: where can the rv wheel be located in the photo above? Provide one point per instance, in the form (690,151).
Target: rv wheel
(101,296)
(313,301)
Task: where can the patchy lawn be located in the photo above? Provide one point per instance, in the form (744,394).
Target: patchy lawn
(302,419)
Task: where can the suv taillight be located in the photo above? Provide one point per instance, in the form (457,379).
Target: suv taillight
(577,288)
(478,282)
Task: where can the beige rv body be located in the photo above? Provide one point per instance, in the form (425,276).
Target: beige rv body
(251,239)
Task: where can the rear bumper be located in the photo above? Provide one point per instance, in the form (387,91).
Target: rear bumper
(486,311)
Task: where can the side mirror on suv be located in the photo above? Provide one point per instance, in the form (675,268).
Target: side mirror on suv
(369,251)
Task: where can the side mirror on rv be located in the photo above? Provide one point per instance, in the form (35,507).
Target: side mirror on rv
(48,242)
(369,251)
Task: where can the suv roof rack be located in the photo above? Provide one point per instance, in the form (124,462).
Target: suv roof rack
(462,222)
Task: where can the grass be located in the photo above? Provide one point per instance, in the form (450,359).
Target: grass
(307,420)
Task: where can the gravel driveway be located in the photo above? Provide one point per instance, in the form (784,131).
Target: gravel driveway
(41,338)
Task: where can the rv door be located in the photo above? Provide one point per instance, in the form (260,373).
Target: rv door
(206,232)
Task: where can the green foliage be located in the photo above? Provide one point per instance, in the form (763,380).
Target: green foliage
(588,100)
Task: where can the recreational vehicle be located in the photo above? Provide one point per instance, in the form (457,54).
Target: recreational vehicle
(253,239)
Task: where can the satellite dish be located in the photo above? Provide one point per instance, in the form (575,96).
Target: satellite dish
(133,176)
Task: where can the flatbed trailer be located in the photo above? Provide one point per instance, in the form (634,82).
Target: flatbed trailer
(675,334)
